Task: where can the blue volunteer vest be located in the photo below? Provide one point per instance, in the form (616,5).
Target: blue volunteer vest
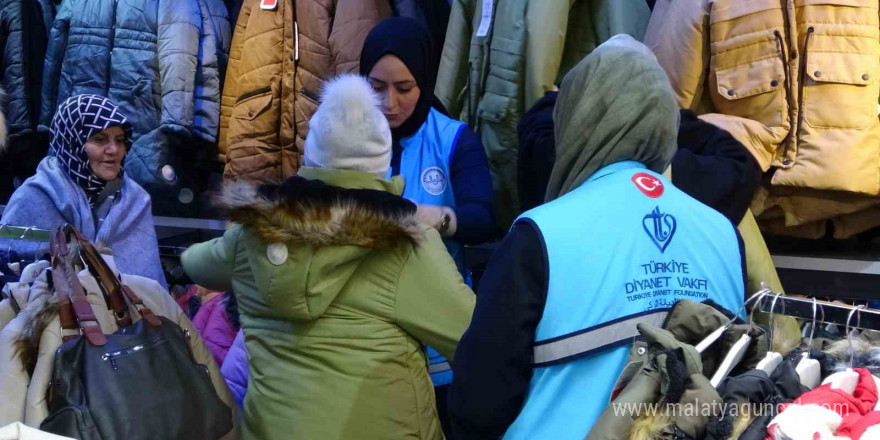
(424,166)
(644,244)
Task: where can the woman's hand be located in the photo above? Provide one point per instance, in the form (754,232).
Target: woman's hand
(441,218)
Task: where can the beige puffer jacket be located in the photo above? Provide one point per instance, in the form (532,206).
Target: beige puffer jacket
(797,82)
(24,345)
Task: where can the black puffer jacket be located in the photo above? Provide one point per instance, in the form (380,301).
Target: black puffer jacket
(23,40)
(21,63)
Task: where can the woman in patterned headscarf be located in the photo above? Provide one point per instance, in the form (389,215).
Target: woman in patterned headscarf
(83,183)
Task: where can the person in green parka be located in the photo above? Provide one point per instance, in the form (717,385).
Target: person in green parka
(339,287)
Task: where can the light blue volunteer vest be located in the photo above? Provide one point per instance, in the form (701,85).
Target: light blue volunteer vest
(424,166)
(622,248)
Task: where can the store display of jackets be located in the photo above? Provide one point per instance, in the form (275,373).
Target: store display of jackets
(277,64)
(23,40)
(499,59)
(159,60)
(798,83)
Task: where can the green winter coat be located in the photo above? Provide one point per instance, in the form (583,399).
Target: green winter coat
(491,81)
(339,286)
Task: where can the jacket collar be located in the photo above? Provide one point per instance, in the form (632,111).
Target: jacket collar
(352,179)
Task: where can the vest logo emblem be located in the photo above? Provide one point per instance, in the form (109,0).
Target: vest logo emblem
(648,185)
(660,228)
(434,181)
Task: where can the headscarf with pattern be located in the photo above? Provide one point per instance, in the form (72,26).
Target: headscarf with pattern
(77,119)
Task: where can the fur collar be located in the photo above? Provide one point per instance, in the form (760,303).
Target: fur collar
(313,213)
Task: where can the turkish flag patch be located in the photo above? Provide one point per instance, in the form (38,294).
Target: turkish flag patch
(648,185)
(268,5)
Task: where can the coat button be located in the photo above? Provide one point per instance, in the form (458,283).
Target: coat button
(866,77)
(277,253)
(786,162)
(186,196)
(794,55)
(731,92)
(641,351)
(168,173)
(774,83)
(250,114)
(817,74)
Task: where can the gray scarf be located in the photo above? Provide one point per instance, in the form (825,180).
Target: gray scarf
(615,105)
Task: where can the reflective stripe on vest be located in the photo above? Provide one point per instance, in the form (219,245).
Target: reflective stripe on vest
(601,337)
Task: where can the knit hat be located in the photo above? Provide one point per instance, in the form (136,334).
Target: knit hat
(349,131)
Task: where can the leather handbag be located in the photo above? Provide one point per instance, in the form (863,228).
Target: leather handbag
(139,383)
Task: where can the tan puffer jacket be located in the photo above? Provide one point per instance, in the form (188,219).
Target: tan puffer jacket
(276,65)
(22,342)
(797,82)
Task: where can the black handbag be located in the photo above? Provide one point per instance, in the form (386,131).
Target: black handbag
(141,382)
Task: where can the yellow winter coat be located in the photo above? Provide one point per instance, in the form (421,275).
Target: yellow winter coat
(797,82)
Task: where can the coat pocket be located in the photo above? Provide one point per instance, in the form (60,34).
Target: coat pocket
(841,90)
(754,90)
(254,115)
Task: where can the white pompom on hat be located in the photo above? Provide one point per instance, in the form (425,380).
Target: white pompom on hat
(349,131)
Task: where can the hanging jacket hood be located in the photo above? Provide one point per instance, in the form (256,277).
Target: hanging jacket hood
(615,105)
(307,211)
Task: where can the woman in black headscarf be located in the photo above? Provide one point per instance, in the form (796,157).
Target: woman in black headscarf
(442,160)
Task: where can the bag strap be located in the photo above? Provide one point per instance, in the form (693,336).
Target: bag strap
(75,310)
(114,288)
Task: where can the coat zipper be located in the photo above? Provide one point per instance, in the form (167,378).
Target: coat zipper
(308,94)
(112,356)
(801,87)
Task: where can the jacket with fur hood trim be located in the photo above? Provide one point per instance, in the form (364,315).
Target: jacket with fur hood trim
(339,288)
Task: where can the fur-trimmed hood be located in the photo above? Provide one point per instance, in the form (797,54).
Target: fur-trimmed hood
(308,212)
(307,238)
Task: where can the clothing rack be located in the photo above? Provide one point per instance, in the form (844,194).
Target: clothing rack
(24,233)
(844,315)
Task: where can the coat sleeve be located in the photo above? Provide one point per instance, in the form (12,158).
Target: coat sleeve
(353,20)
(546,24)
(206,100)
(472,185)
(180,25)
(678,33)
(714,168)
(493,364)
(52,66)
(433,303)
(210,264)
(452,77)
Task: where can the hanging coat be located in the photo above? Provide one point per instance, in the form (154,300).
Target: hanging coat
(797,83)
(490,79)
(278,61)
